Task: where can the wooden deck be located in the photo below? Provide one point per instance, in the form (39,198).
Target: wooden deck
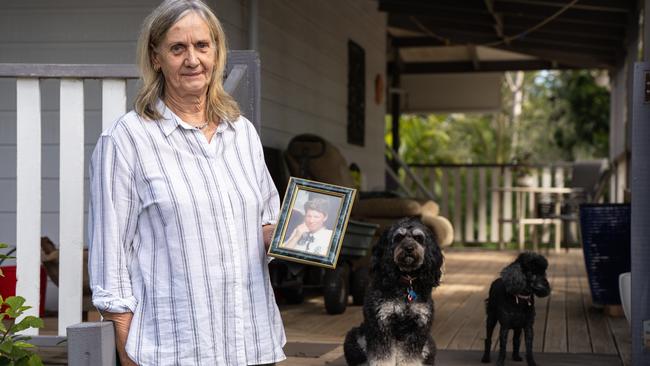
(566,321)
(568,330)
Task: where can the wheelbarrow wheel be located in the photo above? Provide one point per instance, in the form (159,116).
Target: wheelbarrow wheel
(335,290)
(358,285)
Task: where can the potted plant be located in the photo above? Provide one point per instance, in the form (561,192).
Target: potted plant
(14,350)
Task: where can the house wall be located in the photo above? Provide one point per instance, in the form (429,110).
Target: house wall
(303,48)
(303,51)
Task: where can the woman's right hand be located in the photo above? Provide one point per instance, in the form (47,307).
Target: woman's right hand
(121,324)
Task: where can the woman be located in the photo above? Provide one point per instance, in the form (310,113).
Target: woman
(182,207)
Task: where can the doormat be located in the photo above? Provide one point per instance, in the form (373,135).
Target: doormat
(310,350)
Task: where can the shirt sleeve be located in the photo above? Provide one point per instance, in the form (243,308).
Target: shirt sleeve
(113,214)
(270,196)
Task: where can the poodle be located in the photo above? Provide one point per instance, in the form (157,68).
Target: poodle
(398,308)
(512,303)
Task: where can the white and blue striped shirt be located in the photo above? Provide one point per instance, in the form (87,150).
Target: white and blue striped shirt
(176,238)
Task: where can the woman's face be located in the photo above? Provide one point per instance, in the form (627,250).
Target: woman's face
(314,220)
(186,56)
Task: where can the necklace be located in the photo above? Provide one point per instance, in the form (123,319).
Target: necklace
(202,126)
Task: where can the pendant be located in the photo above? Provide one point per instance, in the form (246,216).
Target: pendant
(411,295)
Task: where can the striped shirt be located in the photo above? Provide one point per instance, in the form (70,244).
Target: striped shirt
(176,238)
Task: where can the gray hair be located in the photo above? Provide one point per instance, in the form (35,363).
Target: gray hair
(219,104)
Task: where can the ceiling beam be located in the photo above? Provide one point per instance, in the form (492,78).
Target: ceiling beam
(498,20)
(534,11)
(512,25)
(566,30)
(479,38)
(486,66)
(575,59)
(620,6)
(466,14)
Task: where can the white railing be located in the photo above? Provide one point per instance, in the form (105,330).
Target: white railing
(473,198)
(71,174)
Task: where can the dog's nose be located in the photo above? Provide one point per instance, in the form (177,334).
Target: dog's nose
(409,248)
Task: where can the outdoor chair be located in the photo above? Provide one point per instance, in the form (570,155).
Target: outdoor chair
(589,180)
(588,183)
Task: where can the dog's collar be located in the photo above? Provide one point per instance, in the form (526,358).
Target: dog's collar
(407,280)
(526,298)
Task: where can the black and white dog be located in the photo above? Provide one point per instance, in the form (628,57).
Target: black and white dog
(398,308)
(512,304)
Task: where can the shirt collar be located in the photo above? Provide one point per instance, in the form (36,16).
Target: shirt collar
(170,121)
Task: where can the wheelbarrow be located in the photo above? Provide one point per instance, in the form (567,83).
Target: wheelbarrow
(350,277)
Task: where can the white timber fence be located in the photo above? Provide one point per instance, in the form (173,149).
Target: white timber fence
(475,197)
(28,78)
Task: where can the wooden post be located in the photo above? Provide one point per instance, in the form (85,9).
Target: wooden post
(91,344)
(640,231)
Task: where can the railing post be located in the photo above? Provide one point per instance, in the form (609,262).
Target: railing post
(469,205)
(71,191)
(495,207)
(482,206)
(28,193)
(113,101)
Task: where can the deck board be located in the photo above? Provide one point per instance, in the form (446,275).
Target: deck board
(555,339)
(578,332)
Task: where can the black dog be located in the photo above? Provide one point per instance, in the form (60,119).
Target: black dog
(512,304)
(398,308)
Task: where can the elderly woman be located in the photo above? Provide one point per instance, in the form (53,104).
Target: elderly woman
(182,207)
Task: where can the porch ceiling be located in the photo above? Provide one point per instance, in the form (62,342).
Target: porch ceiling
(500,35)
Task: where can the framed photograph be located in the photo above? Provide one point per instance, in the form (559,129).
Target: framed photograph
(312,222)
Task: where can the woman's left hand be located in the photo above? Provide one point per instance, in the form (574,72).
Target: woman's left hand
(267,232)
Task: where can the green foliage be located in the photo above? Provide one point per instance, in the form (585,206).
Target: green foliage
(565,116)
(14,351)
(4,256)
(582,129)
(452,138)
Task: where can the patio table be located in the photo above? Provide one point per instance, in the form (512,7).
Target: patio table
(557,195)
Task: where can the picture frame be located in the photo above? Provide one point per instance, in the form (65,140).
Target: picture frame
(312,223)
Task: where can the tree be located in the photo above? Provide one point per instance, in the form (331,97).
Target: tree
(564,115)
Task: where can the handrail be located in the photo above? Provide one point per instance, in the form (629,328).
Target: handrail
(409,172)
(395,176)
(83,71)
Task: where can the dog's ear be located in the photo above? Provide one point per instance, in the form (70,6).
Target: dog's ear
(513,278)
(434,257)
